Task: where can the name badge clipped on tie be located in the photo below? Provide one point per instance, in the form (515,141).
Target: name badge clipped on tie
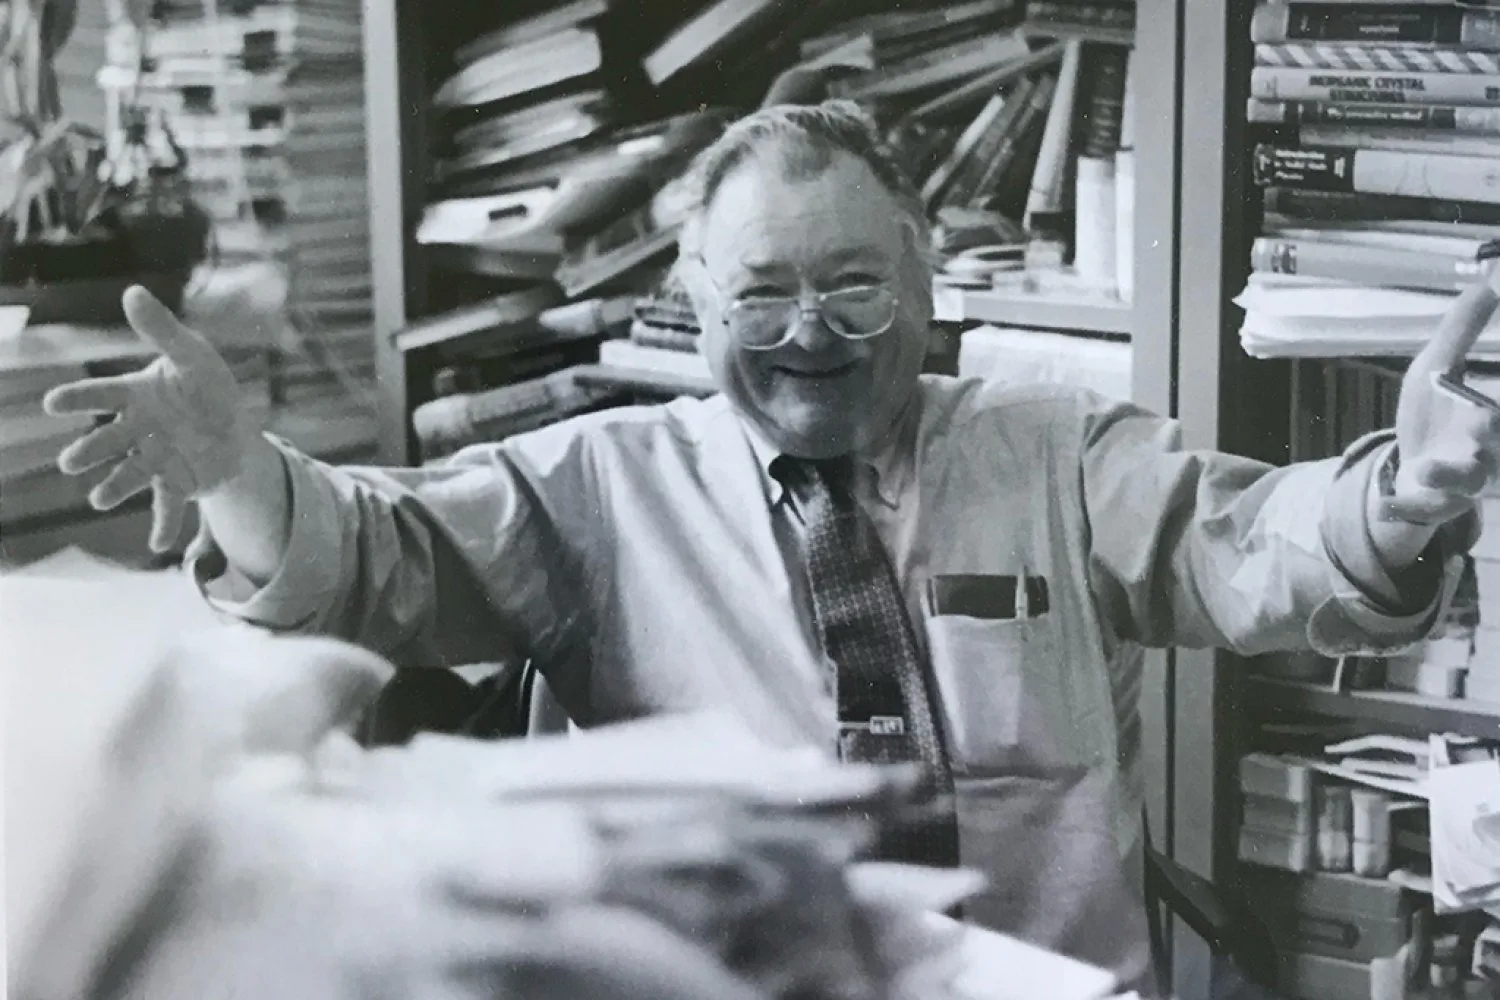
(879,725)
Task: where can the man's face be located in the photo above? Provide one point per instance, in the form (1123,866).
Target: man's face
(819,395)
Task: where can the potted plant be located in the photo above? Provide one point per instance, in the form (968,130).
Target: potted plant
(77,224)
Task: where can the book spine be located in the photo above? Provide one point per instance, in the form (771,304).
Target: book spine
(669,340)
(1412,117)
(447,424)
(1365,265)
(968,140)
(1125,225)
(1376,24)
(1046,191)
(1094,222)
(1083,15)
(1456,178)
(1343,206)
(967,172)
(1275,83)
(1388,58)
(1101,133)
(1401,140)
(1011,144)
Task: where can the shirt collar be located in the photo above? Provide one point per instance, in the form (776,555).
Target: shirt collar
(891,467)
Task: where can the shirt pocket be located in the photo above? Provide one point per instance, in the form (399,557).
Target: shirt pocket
(1008,703)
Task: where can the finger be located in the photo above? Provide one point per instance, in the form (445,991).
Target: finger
(1458,331)
(103,444)
(123,482)
(110,394)
(168,513)
(1426,507)
(155,324)
(1464,478)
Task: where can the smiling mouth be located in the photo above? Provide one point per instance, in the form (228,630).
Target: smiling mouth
(818,373)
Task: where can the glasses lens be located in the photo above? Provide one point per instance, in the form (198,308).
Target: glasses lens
(859,312)
(759,323)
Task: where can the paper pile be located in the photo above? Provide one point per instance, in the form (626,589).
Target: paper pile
(186,817)
(1465,815)
(1295,317)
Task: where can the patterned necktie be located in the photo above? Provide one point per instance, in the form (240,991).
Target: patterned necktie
(887,708)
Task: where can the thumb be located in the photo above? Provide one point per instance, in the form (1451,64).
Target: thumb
(156,325)
(1457,332)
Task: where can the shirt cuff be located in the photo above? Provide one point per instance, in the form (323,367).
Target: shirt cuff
(1369,612)
(302,585)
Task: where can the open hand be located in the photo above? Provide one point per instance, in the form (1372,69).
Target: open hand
(1449,448)
(179,426)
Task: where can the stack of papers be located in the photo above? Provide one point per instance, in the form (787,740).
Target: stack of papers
(193,783)
(1465,812)
(1292,317)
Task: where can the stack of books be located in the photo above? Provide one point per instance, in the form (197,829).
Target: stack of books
(562,148)
(1378,128)
(266,98)
(663,338)
(1031,188)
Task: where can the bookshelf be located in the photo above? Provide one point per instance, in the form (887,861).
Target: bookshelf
(1278,409)
(407,56)
(1400,709)
(1075,313)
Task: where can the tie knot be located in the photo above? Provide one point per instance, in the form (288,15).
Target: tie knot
(802,474)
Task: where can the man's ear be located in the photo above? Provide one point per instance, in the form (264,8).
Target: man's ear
(687,272)
(918,268)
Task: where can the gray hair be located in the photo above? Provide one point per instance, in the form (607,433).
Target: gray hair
(806,138)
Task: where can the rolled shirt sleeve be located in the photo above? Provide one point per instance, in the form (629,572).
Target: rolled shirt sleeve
(1370,600)
(1204,549)
(459,562)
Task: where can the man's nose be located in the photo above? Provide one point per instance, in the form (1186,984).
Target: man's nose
(810,332)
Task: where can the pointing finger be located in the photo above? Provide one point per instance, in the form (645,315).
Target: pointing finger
(155,324)
(96,447)
(1458,331)
(110,394)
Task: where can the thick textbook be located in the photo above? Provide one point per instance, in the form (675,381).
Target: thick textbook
(1353,114)
(1379,171)
(1408,24)
(1297,84)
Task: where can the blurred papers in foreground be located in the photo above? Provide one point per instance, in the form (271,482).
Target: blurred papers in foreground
(189,788)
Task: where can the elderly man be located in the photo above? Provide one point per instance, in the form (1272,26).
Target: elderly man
(848,553)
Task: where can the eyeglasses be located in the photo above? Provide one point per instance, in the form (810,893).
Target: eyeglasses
(766,322)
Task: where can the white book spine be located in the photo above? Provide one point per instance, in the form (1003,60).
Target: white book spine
(1052,160)
(1094,223)
(1298,84)
(1125,224)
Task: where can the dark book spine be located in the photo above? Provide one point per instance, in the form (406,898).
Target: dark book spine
(1318,169)
(1352,115)
(1104,111)
(1346,206)
(1382,23)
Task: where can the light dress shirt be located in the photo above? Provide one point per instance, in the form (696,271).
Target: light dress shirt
(646,559)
